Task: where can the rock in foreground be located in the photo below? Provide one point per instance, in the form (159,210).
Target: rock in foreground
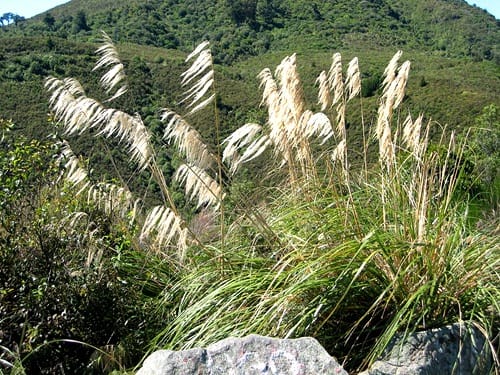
(246,356)
(456,349)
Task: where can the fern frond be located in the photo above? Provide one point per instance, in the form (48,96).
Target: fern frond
(115,74)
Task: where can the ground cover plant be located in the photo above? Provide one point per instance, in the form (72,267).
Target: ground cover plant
(350,253)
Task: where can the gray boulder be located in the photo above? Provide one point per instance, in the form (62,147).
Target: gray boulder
(246,356)
(457,349)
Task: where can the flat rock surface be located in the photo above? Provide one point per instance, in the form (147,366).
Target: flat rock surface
(246,356)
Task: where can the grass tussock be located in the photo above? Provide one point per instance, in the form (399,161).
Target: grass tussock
(349,254)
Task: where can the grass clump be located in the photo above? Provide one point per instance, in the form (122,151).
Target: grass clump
(348,254)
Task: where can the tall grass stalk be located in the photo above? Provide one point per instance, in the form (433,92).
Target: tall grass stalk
(351,257)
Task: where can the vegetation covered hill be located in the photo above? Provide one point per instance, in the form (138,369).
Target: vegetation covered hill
(252,27)
(62,40)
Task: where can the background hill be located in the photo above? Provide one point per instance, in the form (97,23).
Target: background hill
(454,49)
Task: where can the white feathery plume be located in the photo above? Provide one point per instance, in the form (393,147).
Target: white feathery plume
(386,146)
(335,79)
(74,173)
(390,70)
(318,124)
(108,197)
(111,198)
(353,79)
(393,94)
(411,132)
(199,48)
(166,226)
(339,153)
(240,138)
(271,98)
(187,139)
(80,113)
(255,149)
(131,129)
(198,184)
(202,66)
(290,92)
(115,75)
(270,94)
(337,87)
(324,96)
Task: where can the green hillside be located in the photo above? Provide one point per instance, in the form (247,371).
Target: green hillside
(349,229)
(455,68)
(62,40)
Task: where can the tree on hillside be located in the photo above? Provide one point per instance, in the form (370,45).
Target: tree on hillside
(80,22)
(242,11)
(266,11)
(9,17)
(49,20)
(17,18)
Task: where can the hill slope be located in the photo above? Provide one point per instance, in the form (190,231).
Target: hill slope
(251,27)
(454,48)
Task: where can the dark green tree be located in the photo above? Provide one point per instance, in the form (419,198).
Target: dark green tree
(49,20)
(242,11)
(7,18)
(80,22)
(17,18)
